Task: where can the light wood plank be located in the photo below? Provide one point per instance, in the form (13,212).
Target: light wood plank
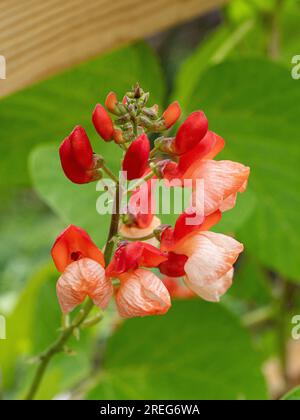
(40,38)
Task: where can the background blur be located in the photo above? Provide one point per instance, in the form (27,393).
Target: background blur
(236,61)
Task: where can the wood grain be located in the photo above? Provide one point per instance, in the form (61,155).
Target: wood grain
(39,38)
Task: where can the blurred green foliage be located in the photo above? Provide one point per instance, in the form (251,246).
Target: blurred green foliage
(198,350)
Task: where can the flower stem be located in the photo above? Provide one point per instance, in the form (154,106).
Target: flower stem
(140,182)
(109,173)
(58,346)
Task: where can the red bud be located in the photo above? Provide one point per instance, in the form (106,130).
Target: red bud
(103,123)
(136,158)
(171,114)
(191,132)
(76,156)
(111,102)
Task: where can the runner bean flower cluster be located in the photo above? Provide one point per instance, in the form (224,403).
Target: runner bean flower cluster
(144,263)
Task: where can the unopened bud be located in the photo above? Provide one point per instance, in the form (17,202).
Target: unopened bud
(165,145)
(111,102)
(150,112)
(118,136)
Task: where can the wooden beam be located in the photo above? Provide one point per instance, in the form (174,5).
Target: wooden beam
(40,38)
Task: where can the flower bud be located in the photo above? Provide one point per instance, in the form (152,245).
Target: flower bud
(111,102)
(171,114)
(136,158)
(77,159)
(191,132)
(118,136)
(103,123)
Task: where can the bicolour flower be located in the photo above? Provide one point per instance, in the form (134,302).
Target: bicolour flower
(77,158)
(222,180)
(136,158)
(82,266)
(204,258)
(141,292)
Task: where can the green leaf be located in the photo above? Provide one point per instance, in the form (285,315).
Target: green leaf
(73,203)
(250,283)
(196,351)
(213,50)
(293,395)
(253,104)
(48,111)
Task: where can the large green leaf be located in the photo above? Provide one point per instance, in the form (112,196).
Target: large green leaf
(253,104)
(49,110)
(196,351)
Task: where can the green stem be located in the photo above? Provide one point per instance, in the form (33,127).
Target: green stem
(140,182)
(109,173)
(58,346)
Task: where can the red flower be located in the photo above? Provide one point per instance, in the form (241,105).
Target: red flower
(191,132)
(103,123)
(171,114)
(81,264)
(77,159)
(136,158)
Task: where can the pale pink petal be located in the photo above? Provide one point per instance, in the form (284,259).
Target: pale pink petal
(228,203)
(135,232)
(142,293)
(213,291)
(211,257)
(222,179)
(83,278)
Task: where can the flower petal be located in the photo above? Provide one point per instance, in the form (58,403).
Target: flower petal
(83,278)
(142,293)
(222,179)
(134,232)
(212,292)
(211,257)
(74,243)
